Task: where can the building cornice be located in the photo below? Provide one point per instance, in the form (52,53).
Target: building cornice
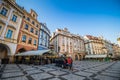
(15,6)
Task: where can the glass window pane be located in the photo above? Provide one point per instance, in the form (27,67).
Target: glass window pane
(24,38)
(4,11)
(28,18)
(32,30)
(26,27)
(14,18)
(30,40)
(9,34)
(34,42)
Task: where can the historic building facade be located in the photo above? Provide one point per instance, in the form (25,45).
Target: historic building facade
(67,43)
(29,31)
(44,37)
(95,47)
(116,51)
(109,46)
(10,21)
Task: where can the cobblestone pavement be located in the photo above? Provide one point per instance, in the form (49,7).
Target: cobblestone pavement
(83,70)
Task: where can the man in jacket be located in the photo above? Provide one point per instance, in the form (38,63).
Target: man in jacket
(69,62)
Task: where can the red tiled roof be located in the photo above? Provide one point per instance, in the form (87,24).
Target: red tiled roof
(92,37)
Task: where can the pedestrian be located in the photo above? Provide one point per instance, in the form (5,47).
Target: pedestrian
(69,62)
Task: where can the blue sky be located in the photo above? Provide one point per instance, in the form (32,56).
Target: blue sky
(93,17)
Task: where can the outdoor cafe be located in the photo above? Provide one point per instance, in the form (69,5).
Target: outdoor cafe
(38,57)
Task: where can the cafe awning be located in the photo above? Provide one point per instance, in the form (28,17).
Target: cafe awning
(33,53)
(96,56)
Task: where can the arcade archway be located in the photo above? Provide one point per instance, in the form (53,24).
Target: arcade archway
(21,50)
(80,57)
(76,57)
(4,51)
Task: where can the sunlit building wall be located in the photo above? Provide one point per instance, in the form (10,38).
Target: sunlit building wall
(10,22)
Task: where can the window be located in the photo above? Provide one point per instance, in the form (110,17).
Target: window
(24,38)
(42,34)
(0,27)
(26,27)
(37,25)
(33,22)
(36,32)
(4,11)
(9,34)
(28,18)
(45,44)
(35,42)
(34,15)
(23,16)
(32,30)
(14,18)
(30,40)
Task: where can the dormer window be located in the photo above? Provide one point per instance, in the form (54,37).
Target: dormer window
(34,15)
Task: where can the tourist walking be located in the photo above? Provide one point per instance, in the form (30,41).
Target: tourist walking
(69,62)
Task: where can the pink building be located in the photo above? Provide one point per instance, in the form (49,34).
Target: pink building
(69,44)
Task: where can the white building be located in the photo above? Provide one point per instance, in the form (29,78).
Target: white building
(95,47)
(10,21)
(67,43)
(44,37)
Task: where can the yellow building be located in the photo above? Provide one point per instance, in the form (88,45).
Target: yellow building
(95,47)
(109,47)
(10,21)
(69,44)
(29,32)
(116,50)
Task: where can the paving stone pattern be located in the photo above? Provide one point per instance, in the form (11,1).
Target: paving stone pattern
(82,70)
